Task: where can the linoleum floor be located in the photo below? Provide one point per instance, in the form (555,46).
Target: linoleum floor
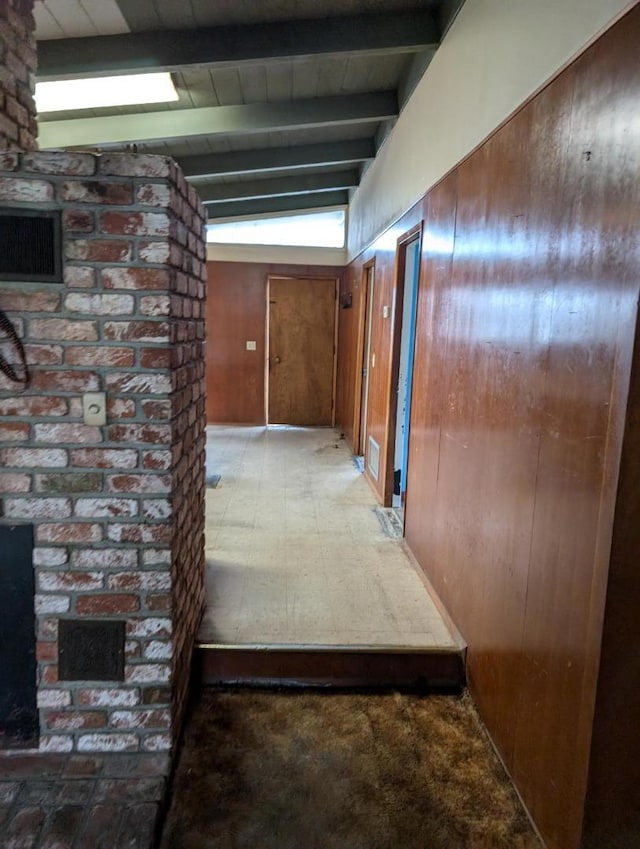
(296,554)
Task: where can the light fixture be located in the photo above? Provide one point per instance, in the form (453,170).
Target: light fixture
(96,92)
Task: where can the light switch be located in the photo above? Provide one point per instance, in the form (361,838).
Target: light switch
(94,408)
(385,312)
(251,345)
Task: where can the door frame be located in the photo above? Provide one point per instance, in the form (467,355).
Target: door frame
(415,233)
(336,316)
(370,266)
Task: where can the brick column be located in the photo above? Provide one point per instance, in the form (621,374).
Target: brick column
(118,509)
(18,127)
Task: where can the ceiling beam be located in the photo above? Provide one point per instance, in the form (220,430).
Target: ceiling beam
(278,186)
(287,203)
(350,152)
(167,50)
(218,120)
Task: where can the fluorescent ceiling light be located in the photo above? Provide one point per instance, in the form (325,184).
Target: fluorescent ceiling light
(93,93)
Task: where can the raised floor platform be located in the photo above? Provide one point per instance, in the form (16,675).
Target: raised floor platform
(305,584)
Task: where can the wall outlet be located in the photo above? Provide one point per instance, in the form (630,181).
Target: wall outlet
(251,345)
(94,408)
(385,312)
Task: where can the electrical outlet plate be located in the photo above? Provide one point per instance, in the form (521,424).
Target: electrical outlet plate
(94,408)
(251,345)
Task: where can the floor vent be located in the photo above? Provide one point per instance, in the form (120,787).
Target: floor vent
(373,458)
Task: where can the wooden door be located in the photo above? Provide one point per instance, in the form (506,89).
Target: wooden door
(302,319)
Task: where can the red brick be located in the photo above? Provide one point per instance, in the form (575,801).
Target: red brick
(105,458)
(99,304)
(108,697)
(69,533)
(156,460)
(106,508)
(140,580)
(140,534)
(108,743)
(105,558)
(135,165)
(159,602)
(26,191)
(97,192)
(55,433)
(74,720)
(156,410)
(158,252)
(155,358)
(47,355)
(34,406)
(70,582)
(99,250)
(140,433)
(99,356)
(157,484)
(30,301)
(132,223)
(137,331)
(46,651)
(156,305)
(65,381)
(79,277)
(144,383)
(78,221)
(108,604)
(9,161)
(154,194)
(63,329)
(14,431)
(135,278)
(14,483)
(131,719)
(60,162)
(34,457)
(120,408)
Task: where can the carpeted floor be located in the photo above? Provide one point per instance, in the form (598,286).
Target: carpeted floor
(262,770)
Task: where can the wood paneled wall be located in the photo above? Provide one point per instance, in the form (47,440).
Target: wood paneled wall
(527,310)
(236,313)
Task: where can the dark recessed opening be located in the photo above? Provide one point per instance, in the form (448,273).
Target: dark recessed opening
(90,650)
(30,245)
(18,709)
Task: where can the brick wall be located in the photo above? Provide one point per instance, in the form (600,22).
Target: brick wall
(18,128)
(117,509)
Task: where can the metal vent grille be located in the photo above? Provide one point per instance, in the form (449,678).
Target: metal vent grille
(30,245)
(373,458)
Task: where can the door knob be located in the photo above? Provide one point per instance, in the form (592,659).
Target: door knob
(276,359)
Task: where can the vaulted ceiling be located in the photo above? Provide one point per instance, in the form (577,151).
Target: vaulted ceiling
(282,103)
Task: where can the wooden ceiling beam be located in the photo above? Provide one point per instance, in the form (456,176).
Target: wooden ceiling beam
(286,203)
(118,130)
(278,186)
(350,152)
(172,50)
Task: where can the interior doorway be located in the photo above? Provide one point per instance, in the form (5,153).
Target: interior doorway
(301,360)
(409,272)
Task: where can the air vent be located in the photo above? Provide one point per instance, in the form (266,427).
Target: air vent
(373,458)
(30,245)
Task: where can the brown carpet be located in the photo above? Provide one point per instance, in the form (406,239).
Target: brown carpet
(264,770)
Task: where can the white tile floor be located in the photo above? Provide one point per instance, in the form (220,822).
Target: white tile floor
(296,554)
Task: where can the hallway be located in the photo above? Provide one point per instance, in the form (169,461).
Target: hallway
(296,554)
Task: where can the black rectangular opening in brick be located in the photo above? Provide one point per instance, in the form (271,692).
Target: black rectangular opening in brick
(18,692)
(30,245)
(90,650)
